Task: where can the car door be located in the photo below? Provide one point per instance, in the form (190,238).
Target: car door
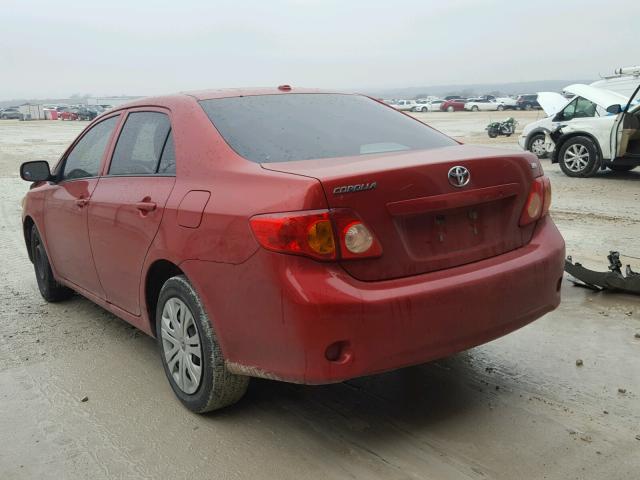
(621,133)
(128,203)
(65,211)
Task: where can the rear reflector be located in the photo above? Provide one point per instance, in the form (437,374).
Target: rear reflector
(320,234)
(538,201)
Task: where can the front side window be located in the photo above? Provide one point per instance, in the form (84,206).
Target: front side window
(579,108)
(140,144)
(85,158)
(304,126)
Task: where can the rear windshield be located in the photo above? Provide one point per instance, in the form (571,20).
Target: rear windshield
(303,126)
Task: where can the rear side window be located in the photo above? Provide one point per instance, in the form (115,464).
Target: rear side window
(140,144)
(287,127)
(85,158)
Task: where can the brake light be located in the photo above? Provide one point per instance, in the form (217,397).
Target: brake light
(313,234)
(538,201)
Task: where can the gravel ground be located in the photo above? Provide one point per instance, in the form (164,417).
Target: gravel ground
(83,394)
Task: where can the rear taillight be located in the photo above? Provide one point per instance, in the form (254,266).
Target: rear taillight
(320,234)
(538,201)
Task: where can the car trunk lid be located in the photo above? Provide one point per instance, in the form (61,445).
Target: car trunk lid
(422,220)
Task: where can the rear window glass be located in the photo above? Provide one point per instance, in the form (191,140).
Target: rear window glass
(282,128)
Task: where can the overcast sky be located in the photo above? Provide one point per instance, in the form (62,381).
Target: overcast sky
(54,48)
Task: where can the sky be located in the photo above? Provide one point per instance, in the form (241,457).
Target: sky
(56,48)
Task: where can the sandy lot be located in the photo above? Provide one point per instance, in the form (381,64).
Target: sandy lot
(518,407)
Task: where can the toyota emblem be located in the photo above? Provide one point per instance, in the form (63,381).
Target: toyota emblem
(459,176)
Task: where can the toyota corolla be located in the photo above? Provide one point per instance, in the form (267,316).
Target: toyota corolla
(296,235)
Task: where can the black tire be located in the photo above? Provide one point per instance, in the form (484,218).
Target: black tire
(500,108)
(536,146)
(492,133)
(591,162)
(621,168)
(218,387)
(474,108)
(528,107)
(50,289)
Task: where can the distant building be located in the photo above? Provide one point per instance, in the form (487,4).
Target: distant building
(32,111)
(113,101)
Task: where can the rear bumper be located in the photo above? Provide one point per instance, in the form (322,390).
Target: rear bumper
(302,307)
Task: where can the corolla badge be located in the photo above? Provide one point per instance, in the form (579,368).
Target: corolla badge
(359,187)
(459,176)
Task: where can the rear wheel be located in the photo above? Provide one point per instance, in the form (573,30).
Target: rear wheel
(578,157)
(474,108)
(190,352)
(536,146)
(500,108)
(528,106)
(50,289)
(621,168)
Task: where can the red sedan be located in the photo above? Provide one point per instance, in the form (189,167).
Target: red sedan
(296,235)
(453,105)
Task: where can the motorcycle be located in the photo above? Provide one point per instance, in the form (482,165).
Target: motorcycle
(506,127)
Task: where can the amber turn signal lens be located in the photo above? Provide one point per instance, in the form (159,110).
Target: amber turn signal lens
(320,237)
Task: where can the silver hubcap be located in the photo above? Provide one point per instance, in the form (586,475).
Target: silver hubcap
(576,157)
(537,146)
(181,345)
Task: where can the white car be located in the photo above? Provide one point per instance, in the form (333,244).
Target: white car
(403,105)
(427,105)
(595,129)
(484,104)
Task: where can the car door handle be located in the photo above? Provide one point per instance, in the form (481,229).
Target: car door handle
(81,202)
(146,206)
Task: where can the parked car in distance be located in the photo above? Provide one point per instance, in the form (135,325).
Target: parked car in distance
(86,113)
(483,104)
(509,103)
(427,105)
(527,102)
(69,114)
(11,113)
(171,212)
(403,105)
(453,105)
(595,129)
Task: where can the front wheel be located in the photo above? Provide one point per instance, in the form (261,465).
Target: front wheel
(190,352)
(50,289)
(450,109)
(621,168)
(536,146)
(528,107)
(578,157)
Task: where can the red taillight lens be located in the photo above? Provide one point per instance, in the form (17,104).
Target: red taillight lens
(308,233)
(538,201)
(312,234)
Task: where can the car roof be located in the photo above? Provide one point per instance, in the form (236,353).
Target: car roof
(599,96)
(199,95)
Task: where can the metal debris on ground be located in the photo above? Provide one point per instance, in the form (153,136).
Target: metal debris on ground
(614,279)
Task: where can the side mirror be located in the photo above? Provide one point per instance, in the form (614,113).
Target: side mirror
(614,109)
(37,171)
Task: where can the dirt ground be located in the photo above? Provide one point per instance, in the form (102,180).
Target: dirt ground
(518,407)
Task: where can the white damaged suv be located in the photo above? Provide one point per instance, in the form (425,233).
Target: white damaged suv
(595,129)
